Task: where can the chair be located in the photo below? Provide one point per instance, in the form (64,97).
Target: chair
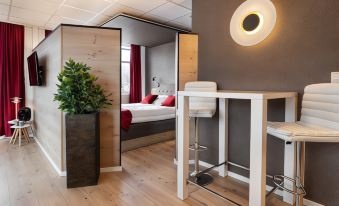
(200,108)
(319,123)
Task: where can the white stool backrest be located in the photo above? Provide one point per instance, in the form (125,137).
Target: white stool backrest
(197,103)
(320,105)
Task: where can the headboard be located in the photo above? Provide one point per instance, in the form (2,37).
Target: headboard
(168,89)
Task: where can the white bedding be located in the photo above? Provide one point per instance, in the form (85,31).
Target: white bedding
(149,112)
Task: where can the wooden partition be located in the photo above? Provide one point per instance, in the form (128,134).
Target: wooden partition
(187,64)
(187,59)
(99,48)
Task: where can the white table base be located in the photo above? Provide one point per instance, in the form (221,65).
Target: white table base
(258,142)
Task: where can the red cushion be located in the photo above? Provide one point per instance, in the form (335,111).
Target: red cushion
(169,101)
(149,99)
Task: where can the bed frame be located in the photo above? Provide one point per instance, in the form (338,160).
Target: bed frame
(143,129)
(147,133)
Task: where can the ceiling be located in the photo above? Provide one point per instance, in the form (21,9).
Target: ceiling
(141,33)
(50,13)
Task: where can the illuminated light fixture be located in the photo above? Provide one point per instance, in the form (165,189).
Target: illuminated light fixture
(252,22)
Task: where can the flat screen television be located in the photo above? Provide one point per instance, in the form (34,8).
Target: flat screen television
(34,70)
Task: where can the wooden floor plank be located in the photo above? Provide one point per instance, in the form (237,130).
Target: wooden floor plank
(4,190)
(148,179)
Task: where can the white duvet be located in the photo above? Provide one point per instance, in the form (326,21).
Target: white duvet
(149,112)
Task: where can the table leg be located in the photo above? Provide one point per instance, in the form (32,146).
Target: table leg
(27,133)
(223,136)
(20,131)
(258,146)
(290,153)
(16,136)
(13,136)
(183,145)
(26,136)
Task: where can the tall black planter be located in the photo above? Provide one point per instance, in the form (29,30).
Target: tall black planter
(82,150)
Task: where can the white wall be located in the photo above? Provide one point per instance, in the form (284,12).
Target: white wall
(160,63)
(33,36)
(143,71)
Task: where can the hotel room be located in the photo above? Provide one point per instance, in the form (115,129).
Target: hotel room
(169,102)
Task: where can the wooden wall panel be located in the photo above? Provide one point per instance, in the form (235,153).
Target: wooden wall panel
(47,117)
(187,64)
(100,49)
(187,59)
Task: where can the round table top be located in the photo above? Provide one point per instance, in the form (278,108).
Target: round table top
(20,127)
(13,122)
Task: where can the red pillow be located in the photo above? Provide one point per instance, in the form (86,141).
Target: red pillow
(149,99)
(169,101)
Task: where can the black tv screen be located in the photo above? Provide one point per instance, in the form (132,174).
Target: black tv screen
(34,71)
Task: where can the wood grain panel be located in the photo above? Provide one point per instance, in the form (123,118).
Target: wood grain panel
(148,179)
(100,49)
(47,117)
(187,59)
(187,63)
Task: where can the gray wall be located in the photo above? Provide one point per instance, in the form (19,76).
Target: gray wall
(302,49)
(160,62)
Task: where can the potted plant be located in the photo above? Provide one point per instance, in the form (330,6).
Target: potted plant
(81,99)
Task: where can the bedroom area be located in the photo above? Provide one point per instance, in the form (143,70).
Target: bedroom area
(148,82)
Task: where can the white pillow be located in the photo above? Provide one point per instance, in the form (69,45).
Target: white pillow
(160,100)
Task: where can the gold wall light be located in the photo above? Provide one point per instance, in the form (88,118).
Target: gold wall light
(252,22)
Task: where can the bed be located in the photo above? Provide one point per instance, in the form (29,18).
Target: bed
(149,112)
(150,123)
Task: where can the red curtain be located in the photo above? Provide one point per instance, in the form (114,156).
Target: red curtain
(12,83)
(135,74)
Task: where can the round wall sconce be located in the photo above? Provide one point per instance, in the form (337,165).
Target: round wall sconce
(252,22)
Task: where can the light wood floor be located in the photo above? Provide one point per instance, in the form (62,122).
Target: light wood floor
(148,179)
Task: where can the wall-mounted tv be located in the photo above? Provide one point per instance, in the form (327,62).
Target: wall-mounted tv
(34,70)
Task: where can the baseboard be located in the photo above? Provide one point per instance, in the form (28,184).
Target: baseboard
(246,180)
(111,169)
(60,173)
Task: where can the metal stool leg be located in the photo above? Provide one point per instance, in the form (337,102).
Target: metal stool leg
(196,148)
(298,181)
(300,170)
(200,179)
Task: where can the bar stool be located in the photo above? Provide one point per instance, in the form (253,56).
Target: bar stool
(319,123)
(200,108)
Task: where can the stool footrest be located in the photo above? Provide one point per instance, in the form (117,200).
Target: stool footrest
(201,148)
(278,181)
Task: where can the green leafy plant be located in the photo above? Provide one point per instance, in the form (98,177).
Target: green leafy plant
(77,91)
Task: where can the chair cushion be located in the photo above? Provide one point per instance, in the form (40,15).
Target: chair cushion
(299,131)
